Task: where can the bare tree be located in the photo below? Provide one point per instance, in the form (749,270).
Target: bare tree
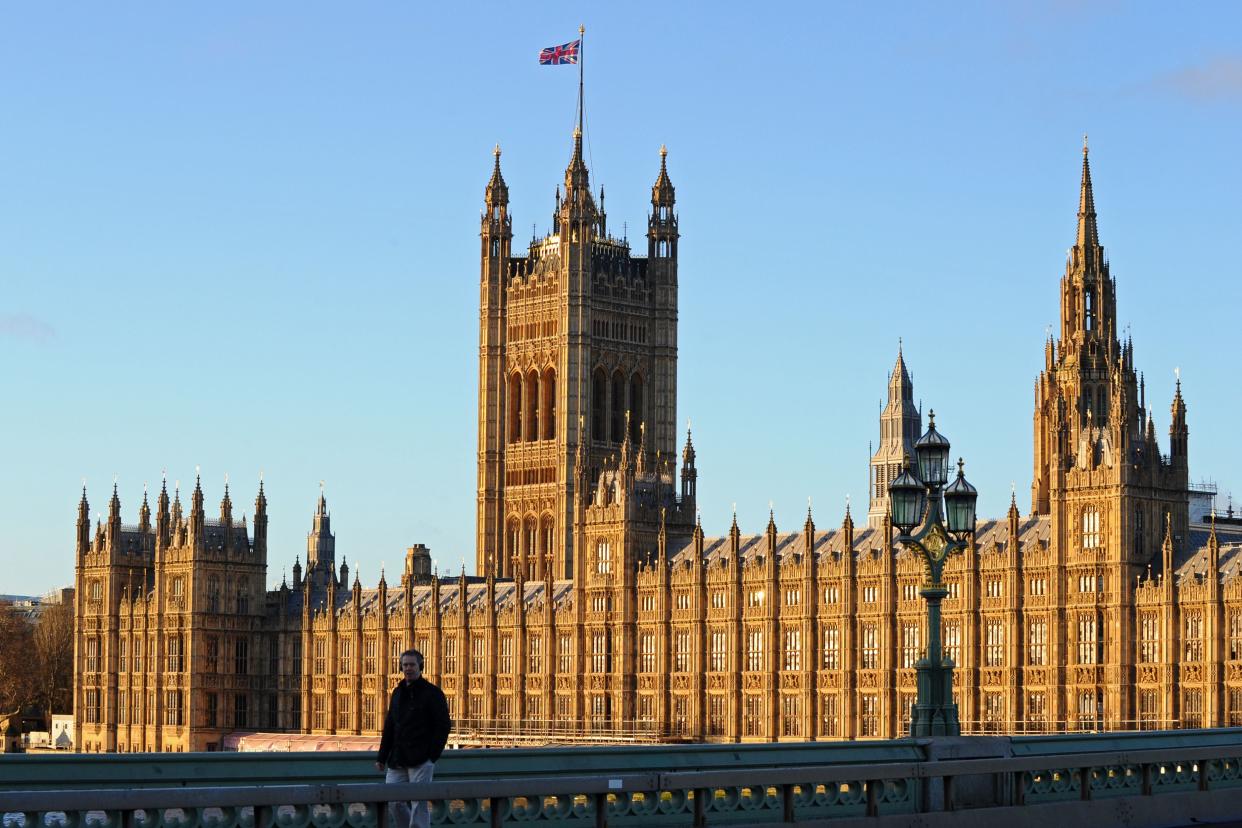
(19,681)
(53,642)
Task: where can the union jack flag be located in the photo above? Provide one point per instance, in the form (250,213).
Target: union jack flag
(556,55)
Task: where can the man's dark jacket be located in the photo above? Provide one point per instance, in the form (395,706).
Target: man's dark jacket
(417,726)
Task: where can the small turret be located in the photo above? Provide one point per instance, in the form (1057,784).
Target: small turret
(163,522)
(1178,432)
(297,572)
(808,531)
(84,523)
(260,523)
(662,224)
(847,532)
(689,473)
(198,518)
(114,514)
(344,578)
(144,512)
(226,506)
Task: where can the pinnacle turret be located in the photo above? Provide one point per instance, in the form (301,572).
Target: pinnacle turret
(662,192)
(497,192)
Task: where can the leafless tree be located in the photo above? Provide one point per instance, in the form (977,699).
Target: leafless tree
(53,641)
(19,675)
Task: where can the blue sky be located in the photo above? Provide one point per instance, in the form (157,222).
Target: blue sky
(244,236)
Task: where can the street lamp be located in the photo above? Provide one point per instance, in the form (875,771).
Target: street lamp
(945,518)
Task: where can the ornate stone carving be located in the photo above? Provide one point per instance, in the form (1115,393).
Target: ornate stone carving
(791,681)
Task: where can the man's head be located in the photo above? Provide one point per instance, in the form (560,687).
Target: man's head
(412,664)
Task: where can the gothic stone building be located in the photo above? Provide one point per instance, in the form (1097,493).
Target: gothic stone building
(602,608)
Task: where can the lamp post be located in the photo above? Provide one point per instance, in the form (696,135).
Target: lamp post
(945,517)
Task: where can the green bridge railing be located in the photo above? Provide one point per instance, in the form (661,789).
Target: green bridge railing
(1153,777)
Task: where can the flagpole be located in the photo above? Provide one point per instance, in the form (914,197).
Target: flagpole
(581,32)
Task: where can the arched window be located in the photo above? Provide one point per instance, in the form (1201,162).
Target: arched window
(243,599)
(1090,309)
(530,547)
(531,405)
(599,404)
(548,408)
(515,408)
(618,407)
(213,594)
(603,557)
(637,416)
(545,542)
(1090,528)
(511,547)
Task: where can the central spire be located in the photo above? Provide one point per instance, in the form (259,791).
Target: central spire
(1088,232)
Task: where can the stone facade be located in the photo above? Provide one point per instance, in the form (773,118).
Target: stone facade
(603,609)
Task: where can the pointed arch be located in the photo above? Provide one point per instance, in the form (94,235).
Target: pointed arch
(530,548)
(637,415)
(530,404)
(547,408)
(546,542)
(515,407)
(512,546)
(617,407)
(599,405)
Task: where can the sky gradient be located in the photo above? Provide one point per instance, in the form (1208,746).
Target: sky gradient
(245,237)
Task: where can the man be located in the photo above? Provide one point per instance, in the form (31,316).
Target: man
(415,732)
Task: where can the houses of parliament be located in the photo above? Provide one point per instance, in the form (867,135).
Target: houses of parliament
(602,608)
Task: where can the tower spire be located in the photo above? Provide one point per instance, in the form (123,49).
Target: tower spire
(1088,232)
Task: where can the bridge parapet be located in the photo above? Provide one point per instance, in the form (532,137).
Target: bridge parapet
(1150,778)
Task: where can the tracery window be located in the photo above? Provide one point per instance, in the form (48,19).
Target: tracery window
(719,658)
(1149,709)
(832,647)
(600,654)
(792,650)
(1037,642)
(506,653)
(994,646)
(681,652)
(754,650)
(791,715)
(869,715)
(478,655)
(1090,528)
(953,641)
(647,653)
(870,643)
(752,715)
(534,645)
(603,557)
(911,645)
(829,723)
(1087,650)
(1193,636)
(1149,638)
(345,657)
(1192,707)
(1036,710)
